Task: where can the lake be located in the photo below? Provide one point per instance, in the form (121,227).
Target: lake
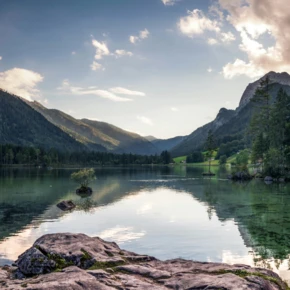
(167,212)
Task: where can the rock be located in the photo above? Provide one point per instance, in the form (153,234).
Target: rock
(268,178)
(66,205)
(281,180)
(241,175)
(76,261)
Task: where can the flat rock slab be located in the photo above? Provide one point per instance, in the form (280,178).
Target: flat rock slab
(76,261)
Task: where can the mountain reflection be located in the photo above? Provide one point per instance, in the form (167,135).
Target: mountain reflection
(260,212)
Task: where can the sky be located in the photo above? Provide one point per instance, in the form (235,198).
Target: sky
(154,67)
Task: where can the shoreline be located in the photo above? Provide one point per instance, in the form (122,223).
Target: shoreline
(76,261)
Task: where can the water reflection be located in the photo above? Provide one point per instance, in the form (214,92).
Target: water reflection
(167,212)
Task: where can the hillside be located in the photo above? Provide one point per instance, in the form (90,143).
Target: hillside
(124,141)
(230,122)
(22,125)
(167,144)
(197,138)
(97,135)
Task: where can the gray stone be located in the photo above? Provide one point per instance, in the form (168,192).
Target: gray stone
(66,205)
(76,261)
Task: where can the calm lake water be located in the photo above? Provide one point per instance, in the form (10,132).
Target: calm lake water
(167,212)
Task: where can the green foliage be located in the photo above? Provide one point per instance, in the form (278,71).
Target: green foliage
(195,157)
(83,177)
(223,160)
(33,156)
(22,125)
(165,157)
(270,130)
(210,147)
(242,160)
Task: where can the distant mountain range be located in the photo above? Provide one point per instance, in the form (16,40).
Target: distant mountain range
(31,124)
(231,122)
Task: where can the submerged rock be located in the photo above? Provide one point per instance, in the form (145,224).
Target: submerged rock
(76,261)
(66,205)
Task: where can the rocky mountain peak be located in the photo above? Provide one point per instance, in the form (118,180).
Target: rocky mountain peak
(281,78)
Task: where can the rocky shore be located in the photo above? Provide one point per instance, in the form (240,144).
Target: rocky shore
(76,261)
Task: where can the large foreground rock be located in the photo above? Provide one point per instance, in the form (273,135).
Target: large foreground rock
(76,261)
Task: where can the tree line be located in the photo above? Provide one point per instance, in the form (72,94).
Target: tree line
(34,156)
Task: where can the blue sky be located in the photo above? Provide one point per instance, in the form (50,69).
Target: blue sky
(155,67)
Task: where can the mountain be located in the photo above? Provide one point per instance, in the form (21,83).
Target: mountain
(197,138)
(124,141)
(95,135)
(22,125)
(231,122)
(280,78)
(150,138)
(167,144)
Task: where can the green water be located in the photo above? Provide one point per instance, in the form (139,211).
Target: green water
(167,212)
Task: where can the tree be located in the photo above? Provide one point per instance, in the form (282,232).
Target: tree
(83,177)
(165,157)
(223,160)
(210,148)
(195,157)
(242,160)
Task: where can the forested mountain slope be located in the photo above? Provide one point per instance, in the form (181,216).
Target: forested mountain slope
(98,136)
(232,122)
(22,125)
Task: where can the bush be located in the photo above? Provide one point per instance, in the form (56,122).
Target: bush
(83,177)
(223,160)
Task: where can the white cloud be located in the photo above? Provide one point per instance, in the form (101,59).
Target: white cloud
(196,23)
(212,41)
(101,49)
(209,70)
(143,34)
(0,57)
(168,2)
(66,87)
(124,91)
(145,120)
(254,19)
(73,52)
(227,37)
(122,52)
(21,82)
(173,109)
(96,66)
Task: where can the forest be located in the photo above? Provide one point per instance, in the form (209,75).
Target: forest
(33,156)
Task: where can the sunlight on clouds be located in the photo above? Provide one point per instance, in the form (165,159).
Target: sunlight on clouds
(168,2)
(21,82)
(122,52)
(145,120)
(143,34)
(124,91)
(96,66)
(173,109)
(66,87)
(196,23)
(212,41)
(209,70)
(253,19)
(101,49)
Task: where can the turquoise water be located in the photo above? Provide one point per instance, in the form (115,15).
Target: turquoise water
(167,212)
